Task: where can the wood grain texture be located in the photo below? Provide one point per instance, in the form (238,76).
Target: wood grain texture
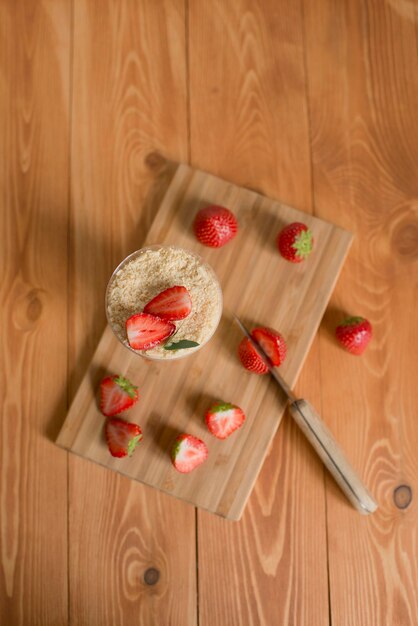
(363,90)
(34,124)
(129,104)
(292,301)
(249,123)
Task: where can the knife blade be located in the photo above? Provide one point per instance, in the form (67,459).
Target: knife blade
(320,437)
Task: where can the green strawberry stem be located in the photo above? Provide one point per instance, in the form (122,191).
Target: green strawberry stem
(352,321)
(126,386)
(221,406)
(303,244)
(133,443)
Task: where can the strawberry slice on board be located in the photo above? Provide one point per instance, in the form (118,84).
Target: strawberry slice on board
(272,343)
(122,437)
(250,358)
(173,303)
(117,394)
(145,331)
(224,418)
(188,453)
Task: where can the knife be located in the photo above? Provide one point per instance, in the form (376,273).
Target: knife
(320,438)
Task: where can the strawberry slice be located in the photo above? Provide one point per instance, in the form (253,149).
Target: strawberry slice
(188,452)
(223,418)
(116,395)
(122,437)
(272,343)
(250,358)
(173,303)
(146,331)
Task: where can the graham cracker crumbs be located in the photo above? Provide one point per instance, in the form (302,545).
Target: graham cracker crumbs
(149,273)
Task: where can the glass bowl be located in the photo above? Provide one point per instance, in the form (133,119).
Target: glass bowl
(203,283)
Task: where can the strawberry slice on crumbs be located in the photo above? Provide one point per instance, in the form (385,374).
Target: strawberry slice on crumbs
(188,453)
(173,303)
(223,418)
(146,331)
(272,343)
(122,437)
(117,394)
(250,358)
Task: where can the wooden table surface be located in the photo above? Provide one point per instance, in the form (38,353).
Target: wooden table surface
(311,102)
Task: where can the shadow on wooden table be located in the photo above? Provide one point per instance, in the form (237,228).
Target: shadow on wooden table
(161,173)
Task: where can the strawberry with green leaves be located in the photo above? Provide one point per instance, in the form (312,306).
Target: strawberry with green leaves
(224,418)
(354,334)
(295,242)
(188,453)
(117,394)
(122,437)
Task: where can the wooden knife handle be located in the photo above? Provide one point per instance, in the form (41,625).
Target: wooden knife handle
(332,456)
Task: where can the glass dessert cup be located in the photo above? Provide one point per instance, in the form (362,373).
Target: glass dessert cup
(152,269)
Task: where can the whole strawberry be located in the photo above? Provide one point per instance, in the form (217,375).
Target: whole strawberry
(354,334)
(295,242)
(117,394)
(214,226)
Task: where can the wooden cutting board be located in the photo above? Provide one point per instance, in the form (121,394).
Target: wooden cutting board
(262,289)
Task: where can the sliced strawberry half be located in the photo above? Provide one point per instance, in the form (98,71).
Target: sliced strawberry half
(272,343)
(146,331)
(122,437)
(173,303)
(223,418)
(188,453)
(117,394)
(250,358)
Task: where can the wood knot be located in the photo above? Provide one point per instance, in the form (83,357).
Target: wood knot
(405,240)
(155,161)
(28,309)
(402,496)
(151,576)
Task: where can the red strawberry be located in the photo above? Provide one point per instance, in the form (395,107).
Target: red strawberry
(214,226)
(116,395)
(146,331)
(295,242)
(250,358)
(354,334)
(272,343)
(173,303)
(223,418)
(188,452)
(122,437)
